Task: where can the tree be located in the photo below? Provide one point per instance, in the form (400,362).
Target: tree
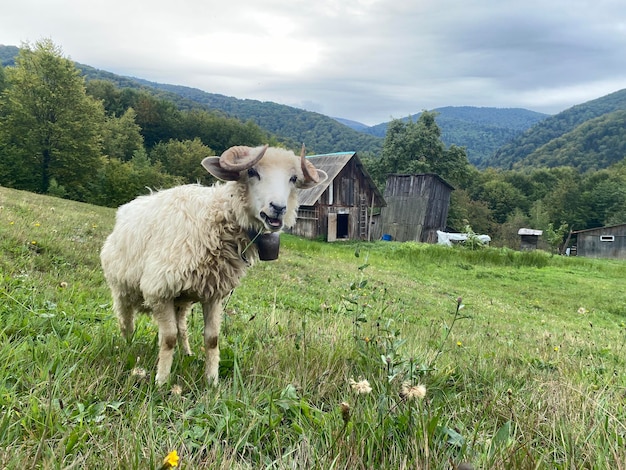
(122,136)
(3,83)
(416,147)
(49,126)
(118,182)
(183,159)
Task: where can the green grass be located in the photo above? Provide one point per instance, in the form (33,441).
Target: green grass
(529,373)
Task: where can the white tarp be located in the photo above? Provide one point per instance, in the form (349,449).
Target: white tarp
(446,238)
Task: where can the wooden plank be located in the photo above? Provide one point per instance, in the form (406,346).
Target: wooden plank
(331,236)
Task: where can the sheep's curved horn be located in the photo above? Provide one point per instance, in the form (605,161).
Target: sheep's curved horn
(308,169)
(238,158)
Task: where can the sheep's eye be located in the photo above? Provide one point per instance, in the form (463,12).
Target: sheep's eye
(252,173)
(293,179)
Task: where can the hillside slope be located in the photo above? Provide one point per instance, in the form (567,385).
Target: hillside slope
(595,144)
(556,127)
(320,133)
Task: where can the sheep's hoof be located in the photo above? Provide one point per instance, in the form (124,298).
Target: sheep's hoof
(160,381)
(212,380)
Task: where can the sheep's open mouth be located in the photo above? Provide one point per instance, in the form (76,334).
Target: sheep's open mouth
(272,223)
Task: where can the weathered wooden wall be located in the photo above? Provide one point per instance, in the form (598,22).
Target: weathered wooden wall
(590,244)
(417,206)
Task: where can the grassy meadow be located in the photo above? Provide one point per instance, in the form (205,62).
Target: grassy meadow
(489,359)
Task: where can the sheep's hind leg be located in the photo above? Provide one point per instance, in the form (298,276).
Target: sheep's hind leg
(212,312)
(125,315)
(182,310)
(165,315)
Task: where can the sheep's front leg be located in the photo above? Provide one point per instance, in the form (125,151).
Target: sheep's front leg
(212,312)
(181,324)
(165,315)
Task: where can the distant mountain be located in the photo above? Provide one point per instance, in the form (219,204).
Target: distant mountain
(482,131)
(7,55)
(357,126)
(320,133)
(588,135)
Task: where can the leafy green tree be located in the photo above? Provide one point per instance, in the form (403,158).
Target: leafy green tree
(503,198)
(122,136)
(506,233)
(114,100)
(555,237)
(49,126)
(220,132)
(159,120)
(118,182)
(416,147)
(183,159)
(467,211)
(3,83)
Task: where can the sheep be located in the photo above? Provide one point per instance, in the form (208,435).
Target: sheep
(192,243)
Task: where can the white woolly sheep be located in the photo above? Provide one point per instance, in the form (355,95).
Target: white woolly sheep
(186,244)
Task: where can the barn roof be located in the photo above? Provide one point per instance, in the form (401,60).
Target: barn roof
(432,175)
(332,164)
(608,227)
(530,231)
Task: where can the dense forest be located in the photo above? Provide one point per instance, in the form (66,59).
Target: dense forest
(322,134)
(481,131)
(583,122)
(103,141)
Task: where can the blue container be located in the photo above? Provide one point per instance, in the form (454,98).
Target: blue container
(387,237)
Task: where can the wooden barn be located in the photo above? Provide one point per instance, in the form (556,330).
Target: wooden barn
(417,206)
(341,208)
(601,242)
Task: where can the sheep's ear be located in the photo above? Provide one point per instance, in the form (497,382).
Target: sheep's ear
(212,165)
(321,177)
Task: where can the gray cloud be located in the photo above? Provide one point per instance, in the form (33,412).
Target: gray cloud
(366,60)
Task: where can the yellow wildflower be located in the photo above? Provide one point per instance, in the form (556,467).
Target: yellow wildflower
(171,460)
(556,349)
(459,344)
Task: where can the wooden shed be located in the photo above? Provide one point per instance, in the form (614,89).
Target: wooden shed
(529,238)
(341,207)
(601,242)
(417,206)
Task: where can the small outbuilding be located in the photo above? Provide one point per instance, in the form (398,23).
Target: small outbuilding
(529,238)
(417,207)
(600,242)
(345,206)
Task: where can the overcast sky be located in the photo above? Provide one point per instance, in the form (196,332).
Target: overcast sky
(365,60)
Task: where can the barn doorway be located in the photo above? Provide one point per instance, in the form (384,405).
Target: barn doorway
(342,226)
(338,227)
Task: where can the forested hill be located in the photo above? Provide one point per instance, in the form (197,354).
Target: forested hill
(595,144)
(320,133)
(588,135)
(481,130)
